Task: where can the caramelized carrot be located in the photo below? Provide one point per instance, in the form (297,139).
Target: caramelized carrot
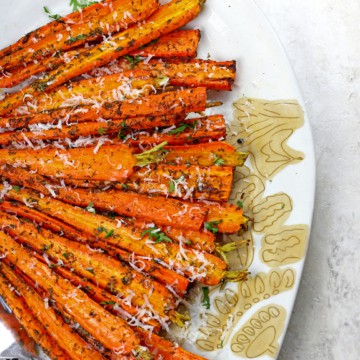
(54,27)
(116,17)
(207,154)
(147,113)
(168,18)
(99,268)
(28,321)
(210,128)
(177,44)
(197,265)
(181,43)
(183,181)
(107,163)
(108,329)
(67,339)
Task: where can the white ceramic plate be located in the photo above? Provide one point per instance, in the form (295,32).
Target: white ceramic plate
(255,318)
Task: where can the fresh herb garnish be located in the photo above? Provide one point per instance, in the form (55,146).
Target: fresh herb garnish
(240,204)
(133,60)
(205,298)
(156,234)
(50,15)
(71,39)
(90,270)
(66,255)
(123,126)
(16,188)
(107,302)
(45,247)
(102,131)
(218,160)
(182,127)
(108,233)
(124,186)
(173,183)
(211,226)
(90,208)
(80,4)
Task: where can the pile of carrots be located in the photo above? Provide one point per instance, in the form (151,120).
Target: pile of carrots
(114,183)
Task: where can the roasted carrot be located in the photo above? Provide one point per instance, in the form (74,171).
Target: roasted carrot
(210,128)
(177,44)
(17,330)
(56,26)
(181,43)
(163,348)
(183,182)
(159,273)
(216,75)
(109,128)
(116,17)
(60,332)
(168,18)
(108,329)
(214,153)
(28,321)
(129,285)
(106,163)
(137,115)
(227,218)
(198,265)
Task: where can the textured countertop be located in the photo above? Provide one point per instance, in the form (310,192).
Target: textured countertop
(322,40)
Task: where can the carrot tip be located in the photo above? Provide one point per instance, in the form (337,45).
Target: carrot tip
(151,156)
(222,250)
(236,275)
(180,319)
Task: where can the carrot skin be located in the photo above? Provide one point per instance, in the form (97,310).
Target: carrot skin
(109,330)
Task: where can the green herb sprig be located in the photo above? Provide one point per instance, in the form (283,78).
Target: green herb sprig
(155,234)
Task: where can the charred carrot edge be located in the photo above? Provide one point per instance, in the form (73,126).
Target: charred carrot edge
(159,273)
(18,330)
(178,44)
(118,16)
(135,114)
(205,267)
(227,217)
(215,75)
(192,131)
(164,348)
(108,329)
(107,163)
(180,181)
(104,271)
(29,322)
(165,211)
(168,18)
(54,27)
(62,334)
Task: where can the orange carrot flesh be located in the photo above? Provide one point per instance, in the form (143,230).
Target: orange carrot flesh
(164,348)
(181,43)
(120,15)
(190,131)
(109,330)
(230,218)
(177,44)
(215,75)
(197,265)
(159,273)
(207,154)
(28,321)
(56,26)
(108,163)
(168,18)
(164,211)
(62,334)
(137,115)
(183,182)
(104,271)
